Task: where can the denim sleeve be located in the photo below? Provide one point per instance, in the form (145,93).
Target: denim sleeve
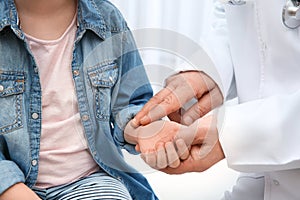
(10,173)
(131,92)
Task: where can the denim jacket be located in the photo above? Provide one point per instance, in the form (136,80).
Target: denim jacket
(111,87)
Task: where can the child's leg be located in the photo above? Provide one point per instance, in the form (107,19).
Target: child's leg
(96,186)
(42,193)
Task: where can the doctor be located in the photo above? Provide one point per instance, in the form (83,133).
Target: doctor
(255,46)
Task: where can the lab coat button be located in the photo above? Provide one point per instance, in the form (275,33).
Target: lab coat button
(276,182)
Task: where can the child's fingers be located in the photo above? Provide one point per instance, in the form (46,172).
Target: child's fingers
(149,158)
(162,161)
(182,149)
(173,159)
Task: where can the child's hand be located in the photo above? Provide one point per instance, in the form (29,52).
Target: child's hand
(194,141)
(168,145)
(152,141)
(171,151)
(151,136)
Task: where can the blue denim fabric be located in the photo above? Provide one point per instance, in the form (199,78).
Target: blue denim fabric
(111,87)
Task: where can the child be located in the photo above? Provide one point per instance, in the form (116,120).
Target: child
(70,80)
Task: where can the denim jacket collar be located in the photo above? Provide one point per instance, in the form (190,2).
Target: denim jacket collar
(88,16)
(8,14)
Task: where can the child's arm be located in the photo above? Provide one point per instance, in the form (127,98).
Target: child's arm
(132,90)
(19,191)
(10,174)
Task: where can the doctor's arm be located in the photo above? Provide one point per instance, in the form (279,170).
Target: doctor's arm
(263,135)
(257,136)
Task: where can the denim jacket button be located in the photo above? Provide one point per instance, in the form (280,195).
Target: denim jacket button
(85,117)
(35,116)
(1,88)
(76,72)
(34,162)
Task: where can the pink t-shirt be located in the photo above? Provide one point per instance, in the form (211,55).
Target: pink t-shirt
(64,154)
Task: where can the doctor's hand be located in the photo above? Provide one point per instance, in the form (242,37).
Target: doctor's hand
(179,90)
(205,152)
(153,139)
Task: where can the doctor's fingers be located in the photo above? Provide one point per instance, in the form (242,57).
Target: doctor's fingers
(176,116)
(165,102)
(205,104)
(154,101)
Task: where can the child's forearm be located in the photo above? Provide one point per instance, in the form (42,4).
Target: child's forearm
(19,191)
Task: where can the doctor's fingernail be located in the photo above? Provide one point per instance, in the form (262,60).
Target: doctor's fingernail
(134,123)
(145,120)
(187,120)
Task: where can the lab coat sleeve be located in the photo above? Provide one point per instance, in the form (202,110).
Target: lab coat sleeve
(262,135)
(213,54)
(216,43)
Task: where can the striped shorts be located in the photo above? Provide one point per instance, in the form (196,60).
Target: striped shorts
(96,186)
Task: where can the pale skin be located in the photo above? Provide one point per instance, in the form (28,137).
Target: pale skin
(204,150)
(153,141)
(179,90)
(46,20)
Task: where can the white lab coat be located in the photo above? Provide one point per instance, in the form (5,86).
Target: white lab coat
(258,59)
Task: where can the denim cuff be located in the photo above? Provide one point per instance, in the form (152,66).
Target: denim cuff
(123,117)
(10,175)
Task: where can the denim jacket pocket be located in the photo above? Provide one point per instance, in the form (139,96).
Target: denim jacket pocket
(103,77)
(11,95)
